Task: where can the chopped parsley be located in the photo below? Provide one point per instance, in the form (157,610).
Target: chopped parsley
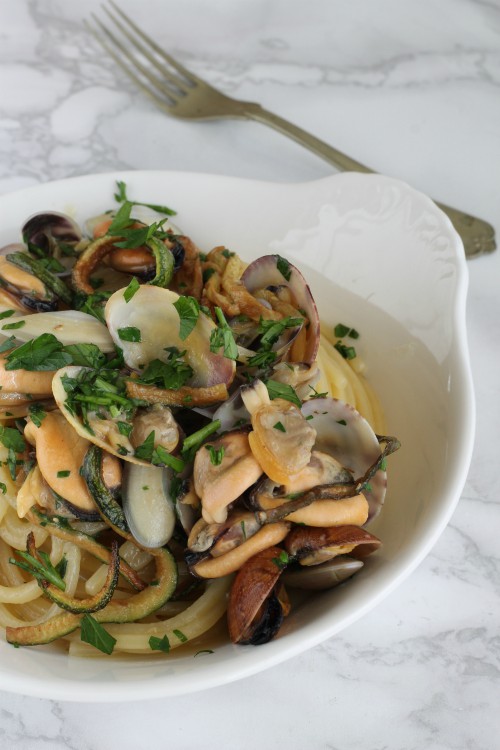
(193,442)
(132,288)
(342,330)
(283,267)
(348,352)
(272,330)
(282,560)
(262,359)
(121,195)
(129,333)
(12,326)
(37,414)
(180,635)
(216,454)
(281,390)
(63,473)
(279,426)
(222,336)
(159,644)
(85,355)
(41,354)
(316,394)
(171,374)
(39,567)
(93,633)
(188,309)
(6,314)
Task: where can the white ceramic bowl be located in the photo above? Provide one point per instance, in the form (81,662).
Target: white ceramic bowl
(379,256)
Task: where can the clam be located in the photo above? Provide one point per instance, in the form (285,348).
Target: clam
(324,576)
(274,272)
(68,326)
(99,426)
(301,376)
(343,433)
(48,230)
(282,439)
(256,604)
(232,412)
(151,312)
(50,234)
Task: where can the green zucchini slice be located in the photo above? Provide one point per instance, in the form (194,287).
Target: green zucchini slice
(91,603)
(110,510)
(133,609)
(60,527)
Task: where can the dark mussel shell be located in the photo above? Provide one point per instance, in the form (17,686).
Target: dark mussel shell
(255,612)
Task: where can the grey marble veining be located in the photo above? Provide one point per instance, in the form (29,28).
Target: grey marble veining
(412,89)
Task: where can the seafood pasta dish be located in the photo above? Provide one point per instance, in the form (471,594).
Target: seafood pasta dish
(181,442)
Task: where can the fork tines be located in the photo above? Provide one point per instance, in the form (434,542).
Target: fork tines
(165,89)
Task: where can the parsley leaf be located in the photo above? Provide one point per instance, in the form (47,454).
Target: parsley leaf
(159,644)
(92,632)
(13,326)
(121,219)
(342,330)
(283,267)
(145,450)
(188,310)
(132,288)
(348,352)
(171,374)
(280,390)
(37,414)
(12,439)
(129,333)
(43,353)
(223,337)
(216,454)
(86,355)
(121,195)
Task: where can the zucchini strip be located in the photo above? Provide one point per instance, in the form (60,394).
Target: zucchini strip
(184,396)
(72,603)
(33,266)
(61,529)
(164,262)
(132,609)
(110,510)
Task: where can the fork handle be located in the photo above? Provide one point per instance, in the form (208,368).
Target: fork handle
(477,235)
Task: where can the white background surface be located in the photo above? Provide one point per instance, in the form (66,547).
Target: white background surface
(412,89)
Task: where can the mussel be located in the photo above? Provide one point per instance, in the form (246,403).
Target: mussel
(257,602)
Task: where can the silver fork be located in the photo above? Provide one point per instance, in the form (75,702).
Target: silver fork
(183,94)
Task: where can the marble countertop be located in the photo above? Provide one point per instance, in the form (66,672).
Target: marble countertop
(412,89)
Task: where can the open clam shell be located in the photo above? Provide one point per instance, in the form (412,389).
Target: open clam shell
(61,399)
(151,310)
(275,271)
(343,433)
(68,326)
